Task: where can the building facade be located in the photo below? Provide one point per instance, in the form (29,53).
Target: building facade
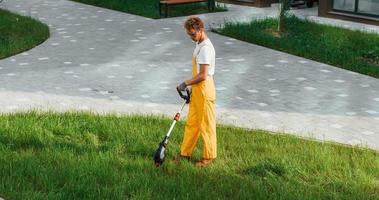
(364,11)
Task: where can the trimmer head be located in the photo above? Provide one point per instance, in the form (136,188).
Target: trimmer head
(159,155)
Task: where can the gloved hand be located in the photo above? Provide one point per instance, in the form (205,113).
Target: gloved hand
(182,86)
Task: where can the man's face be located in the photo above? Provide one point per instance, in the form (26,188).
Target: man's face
(194,34)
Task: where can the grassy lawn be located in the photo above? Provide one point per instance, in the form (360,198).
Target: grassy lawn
(150,8)
(86,156)
(18,33)
(351,50)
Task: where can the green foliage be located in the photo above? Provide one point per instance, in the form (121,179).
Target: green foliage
(19,33)
(150,8)
(352,50)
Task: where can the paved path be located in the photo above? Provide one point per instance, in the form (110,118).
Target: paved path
(107,61)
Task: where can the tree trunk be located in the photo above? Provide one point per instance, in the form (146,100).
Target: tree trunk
(283,8)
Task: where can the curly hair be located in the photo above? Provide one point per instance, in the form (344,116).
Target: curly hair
(193,22)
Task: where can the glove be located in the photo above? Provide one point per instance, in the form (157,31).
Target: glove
(182,86)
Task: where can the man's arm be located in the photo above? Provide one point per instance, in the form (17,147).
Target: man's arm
(201,76)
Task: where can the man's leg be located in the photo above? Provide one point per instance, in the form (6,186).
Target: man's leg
(208,131)
(191,133)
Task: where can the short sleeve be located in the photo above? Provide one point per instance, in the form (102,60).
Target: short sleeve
(205,55)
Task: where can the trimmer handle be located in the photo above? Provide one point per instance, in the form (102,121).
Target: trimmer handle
(185,97)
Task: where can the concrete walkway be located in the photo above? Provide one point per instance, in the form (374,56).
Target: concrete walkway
(108,61)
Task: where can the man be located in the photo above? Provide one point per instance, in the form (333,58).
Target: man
(201,118)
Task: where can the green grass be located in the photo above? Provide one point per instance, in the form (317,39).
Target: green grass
(86,156)
(19,33)
(352,50)
(150,8)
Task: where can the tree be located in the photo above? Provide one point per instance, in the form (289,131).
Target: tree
(283,8)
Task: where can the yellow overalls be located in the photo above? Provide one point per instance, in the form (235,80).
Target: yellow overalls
(201,119)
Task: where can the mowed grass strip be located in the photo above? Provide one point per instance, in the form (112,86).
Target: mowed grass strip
(352,50)
(150,8)
(87,156)
(19,33)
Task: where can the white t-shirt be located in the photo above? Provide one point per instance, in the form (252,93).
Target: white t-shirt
(205,54)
